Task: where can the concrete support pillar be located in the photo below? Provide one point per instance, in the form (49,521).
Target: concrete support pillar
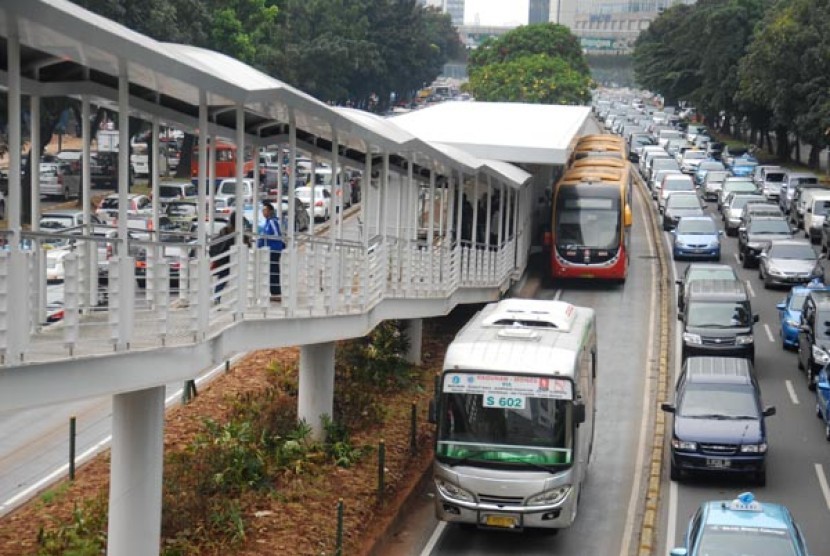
(136,473)
(316,391)
(414,330)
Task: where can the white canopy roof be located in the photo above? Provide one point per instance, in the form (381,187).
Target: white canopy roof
(513,132)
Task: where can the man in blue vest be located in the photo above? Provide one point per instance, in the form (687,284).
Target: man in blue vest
(272,237)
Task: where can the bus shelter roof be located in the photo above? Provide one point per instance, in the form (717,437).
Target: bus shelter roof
(508,131)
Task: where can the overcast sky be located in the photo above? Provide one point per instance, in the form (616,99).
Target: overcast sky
(496,12)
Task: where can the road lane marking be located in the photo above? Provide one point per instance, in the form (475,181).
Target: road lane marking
(53,476)
(557,295)
(433,540)
(95,449)
(768,330)
(791,390)
(749,288)
(737,258)
(672,522)
(822,481)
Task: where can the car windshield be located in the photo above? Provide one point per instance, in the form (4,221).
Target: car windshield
(792,251)
(820,208)
(682,201)
(710,165)
(727,400)
(797,301)
(771,226)
(694,155)
(698,226)
(744,539)
(110,203)
(56,222)
(718,314)
(741,201)
(774,177)
(716,176)
(678,185)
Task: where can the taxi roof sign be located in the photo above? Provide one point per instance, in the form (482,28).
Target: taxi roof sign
(744,503)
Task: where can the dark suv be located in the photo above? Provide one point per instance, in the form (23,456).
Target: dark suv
(717,320)
(758,234)
(814,335)
(718,419)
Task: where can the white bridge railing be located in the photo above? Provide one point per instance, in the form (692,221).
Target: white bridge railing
(87,295)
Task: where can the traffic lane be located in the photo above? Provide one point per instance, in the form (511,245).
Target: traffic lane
(796,474)
(623,312)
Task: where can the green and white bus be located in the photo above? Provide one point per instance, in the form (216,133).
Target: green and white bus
(515,416)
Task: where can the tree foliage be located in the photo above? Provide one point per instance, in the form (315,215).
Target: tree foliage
(787,69)
(549,39)
(534,63)
(537,79)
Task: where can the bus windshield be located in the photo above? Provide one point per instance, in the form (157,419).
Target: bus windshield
(508,427)
(588,222)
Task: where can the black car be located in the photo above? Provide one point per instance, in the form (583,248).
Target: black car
(678,205)
(758,234)
(717,320)
(718,423)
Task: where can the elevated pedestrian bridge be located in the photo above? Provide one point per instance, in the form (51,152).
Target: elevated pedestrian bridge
(449,205)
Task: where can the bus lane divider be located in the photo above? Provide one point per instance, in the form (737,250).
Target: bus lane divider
(791,391)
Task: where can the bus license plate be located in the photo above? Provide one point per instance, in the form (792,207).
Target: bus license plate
(505,521)
(717,463)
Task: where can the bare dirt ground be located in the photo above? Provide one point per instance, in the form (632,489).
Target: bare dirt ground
(301,518)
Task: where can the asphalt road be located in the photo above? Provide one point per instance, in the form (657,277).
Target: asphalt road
(798,461)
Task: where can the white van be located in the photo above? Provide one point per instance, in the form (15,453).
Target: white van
(816,205)
(515,416)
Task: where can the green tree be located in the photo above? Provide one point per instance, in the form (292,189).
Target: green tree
(534,63)
(787,70)
(549,39)
(537,79)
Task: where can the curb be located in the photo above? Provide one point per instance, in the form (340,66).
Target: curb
(651,504)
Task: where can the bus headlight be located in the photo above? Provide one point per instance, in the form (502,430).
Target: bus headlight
(743,340)
(453,492)
(690,338)
(754,448)
(549,497)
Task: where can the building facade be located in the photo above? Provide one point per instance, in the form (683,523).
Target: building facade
(538,11)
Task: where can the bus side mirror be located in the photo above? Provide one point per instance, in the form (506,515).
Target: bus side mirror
(579,412)
(432,416)
(628,217)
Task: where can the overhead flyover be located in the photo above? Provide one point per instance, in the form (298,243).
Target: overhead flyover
(410,263)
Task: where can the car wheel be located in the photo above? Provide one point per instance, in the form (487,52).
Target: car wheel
(811,384)
(827,431)
(798,361)
(818,408)
(2,210)
(744,260)
(141,282)
(65,194)
(675,473)
(761,478)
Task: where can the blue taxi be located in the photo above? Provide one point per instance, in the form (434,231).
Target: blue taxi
(742,526)
(789,312)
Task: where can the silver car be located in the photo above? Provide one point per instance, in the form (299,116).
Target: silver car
(789,262)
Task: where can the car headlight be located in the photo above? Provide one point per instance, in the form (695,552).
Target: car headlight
(773,270)
(690,338)
(453,491)
(550,497)
(743,340)
(820,356)
(684,445)
(754,448)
